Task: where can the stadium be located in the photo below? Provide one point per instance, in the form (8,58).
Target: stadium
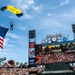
(35,37)
(56,54)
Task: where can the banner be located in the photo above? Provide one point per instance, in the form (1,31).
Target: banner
(32,53)
(32,45)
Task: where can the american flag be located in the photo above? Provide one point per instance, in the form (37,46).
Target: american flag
(3,32)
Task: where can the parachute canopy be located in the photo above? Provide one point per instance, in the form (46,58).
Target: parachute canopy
(13,9)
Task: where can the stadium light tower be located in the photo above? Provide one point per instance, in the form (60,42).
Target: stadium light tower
(73,29)
(32,41)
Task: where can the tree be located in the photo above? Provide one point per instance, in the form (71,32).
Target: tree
(26,64)
(1,60)
(17,64)
(21,64)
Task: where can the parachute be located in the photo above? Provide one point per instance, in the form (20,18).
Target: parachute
(13,9)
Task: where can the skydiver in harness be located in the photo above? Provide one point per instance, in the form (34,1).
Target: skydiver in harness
(11,25)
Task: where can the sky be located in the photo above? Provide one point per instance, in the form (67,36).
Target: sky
(45,16)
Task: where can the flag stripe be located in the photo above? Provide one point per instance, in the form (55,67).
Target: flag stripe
(1,39)
(1,47)
(1,42)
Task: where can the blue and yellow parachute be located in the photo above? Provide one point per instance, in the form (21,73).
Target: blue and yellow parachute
(13,9)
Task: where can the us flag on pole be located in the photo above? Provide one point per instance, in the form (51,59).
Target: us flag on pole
(3,32)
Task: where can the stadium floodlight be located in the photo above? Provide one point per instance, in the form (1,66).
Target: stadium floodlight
(32,40)
(73,29)
(31,33)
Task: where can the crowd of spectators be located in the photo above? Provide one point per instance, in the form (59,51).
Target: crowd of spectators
(21,71)
(70,51)
(56,57)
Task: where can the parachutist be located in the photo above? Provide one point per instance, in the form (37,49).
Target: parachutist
(11,25)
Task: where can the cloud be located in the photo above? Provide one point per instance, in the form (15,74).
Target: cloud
(13,35)
(50,24)
(49,14)
(30,2)
(26,6)
(7,42)
(58,22)
(64,3)
(19,3)
(25,16)
(67,16)
(23,4)
(38,8)
(22,27)
(61,4)
(2,53)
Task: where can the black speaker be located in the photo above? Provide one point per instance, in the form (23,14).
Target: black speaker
(36,49)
